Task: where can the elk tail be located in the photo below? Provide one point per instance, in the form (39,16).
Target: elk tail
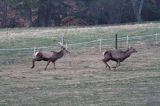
(35,54)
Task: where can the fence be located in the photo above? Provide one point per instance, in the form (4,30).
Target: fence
(18,55)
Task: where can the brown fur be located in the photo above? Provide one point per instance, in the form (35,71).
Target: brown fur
(117,55)
(49,56)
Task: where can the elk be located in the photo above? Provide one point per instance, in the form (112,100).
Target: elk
(49,56)
(117,55)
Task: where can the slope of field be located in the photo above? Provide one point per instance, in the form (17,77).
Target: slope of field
(81,78)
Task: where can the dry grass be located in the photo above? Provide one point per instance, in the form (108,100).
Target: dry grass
(80,79)
(132,29)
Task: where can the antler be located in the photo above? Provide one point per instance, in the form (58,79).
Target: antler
(61,44)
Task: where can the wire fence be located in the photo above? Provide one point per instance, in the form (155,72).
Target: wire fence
(18,55)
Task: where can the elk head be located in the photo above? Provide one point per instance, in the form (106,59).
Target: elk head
(64,48)
(132,50)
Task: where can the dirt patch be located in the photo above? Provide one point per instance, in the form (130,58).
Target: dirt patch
(82,78)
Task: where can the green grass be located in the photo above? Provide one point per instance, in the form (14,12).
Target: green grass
(75,34)
(44,37)
(49,36)
(28,43)
(85,83)
(58,90)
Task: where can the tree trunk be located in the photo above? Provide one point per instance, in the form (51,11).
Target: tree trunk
(30,17)
(4,18)
(137,9)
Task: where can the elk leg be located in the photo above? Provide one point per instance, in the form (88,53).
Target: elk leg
(117,64)
(47,64)
(33,63)
(105,62)
(54,65)
(107,66)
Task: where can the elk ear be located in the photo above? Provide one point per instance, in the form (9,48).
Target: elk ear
(62,47)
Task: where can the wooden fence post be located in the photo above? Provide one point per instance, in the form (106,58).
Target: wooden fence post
(100,45)
(34,50)
(116,41)
(62,39)
(127,41)
(156,38)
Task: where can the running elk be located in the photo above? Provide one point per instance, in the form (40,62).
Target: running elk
(117,55)
(49,56)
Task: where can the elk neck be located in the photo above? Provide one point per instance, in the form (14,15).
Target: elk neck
(60,54)
(127,53)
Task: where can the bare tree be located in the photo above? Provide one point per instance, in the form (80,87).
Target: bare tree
(4,13)
(106,11)
(137,8)
(115,10)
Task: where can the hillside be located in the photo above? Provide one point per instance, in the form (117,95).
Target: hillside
(81,77)
(25,40)
(39,13)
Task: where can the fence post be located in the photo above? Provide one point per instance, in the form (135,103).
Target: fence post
(116,41)
(127,41)
(100,45)
(7,31)
(62,39)
(66,46)
(156,38)
(34,50)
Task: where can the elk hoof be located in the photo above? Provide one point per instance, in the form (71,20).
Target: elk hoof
(115,69)
(32,67)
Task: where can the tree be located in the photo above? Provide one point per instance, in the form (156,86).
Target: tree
(4,13)
(151,10)
(137,8)
(106,11)
(26,8)
(127,12)
(29,7)
(19,13)
(51,12)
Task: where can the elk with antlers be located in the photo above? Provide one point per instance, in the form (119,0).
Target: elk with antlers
(49,56)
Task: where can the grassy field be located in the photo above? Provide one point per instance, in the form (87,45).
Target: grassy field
(19,38)
(80,78)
